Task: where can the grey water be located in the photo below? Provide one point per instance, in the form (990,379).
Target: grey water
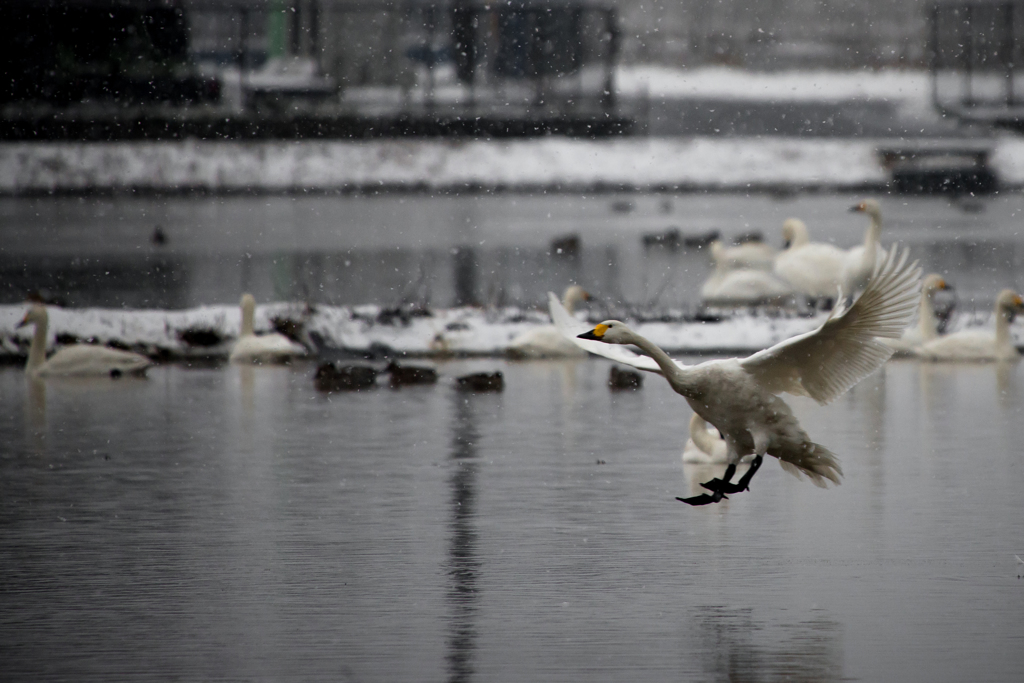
(391,249)
(231,523)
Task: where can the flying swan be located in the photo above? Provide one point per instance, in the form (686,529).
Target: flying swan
(738,396)
(266,348)
(76,360)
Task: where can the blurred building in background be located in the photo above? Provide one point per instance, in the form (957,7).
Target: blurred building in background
(357,68)
(976,58)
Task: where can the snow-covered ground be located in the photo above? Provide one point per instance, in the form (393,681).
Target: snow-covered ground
(912,88)
(439,164)
(716,163)
(209,331)
(634,163)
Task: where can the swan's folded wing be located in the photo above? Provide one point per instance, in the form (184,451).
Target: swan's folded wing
(826,362)
(570,327)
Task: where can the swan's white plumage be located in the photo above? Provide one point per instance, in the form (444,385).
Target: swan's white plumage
(860,260)
(826,362)
(265,348)
(814,269)
(546,341)
(755,255)
(744,287)
(979,345)
(738,396)
(77,360)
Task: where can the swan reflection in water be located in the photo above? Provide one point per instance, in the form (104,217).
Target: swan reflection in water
(808,650)
(463,563)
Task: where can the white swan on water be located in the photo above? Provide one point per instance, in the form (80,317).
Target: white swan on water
(738,396)
(703,446)
(814,269)
(744,287)
(927,327)
(546,341)
(754,254)
(77,360)
(265,348)
(979,345)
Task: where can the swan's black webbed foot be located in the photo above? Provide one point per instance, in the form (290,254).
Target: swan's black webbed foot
(718,488)
(703,499)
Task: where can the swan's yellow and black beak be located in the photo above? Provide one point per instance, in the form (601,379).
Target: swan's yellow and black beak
(857,208)
(596,334)
(24,321)
(946,286)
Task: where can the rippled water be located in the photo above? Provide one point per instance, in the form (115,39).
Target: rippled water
(448,250)
(224,523)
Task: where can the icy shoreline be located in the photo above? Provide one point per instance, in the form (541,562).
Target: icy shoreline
(726,164)
(209,331)
(435,165)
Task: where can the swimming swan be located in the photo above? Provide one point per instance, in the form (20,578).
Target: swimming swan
(756,255)
(860,260)
(979,345)
(266,348)
(738,396)
(703,446)
(744,287)
(546,341)
(927,327)
(814,269)
(76,360)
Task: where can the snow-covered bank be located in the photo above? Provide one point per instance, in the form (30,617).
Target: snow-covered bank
(439,164)
(632,163)
(209,331)
(908,88)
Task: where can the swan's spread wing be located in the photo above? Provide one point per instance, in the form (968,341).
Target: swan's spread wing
(825,362)
(570,327)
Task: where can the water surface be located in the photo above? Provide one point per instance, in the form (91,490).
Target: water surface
(449,250)
(225,523)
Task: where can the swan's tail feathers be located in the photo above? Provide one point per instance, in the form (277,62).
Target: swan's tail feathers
(812,460)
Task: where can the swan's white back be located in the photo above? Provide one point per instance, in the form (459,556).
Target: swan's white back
(266,348)
(545,341)
(979,345)
(77,360)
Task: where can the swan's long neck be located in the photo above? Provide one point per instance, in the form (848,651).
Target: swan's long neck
(700,435)
(874,232)
(1003,328)
(37,352)
(799,236)
(675,375)
(569,300)
(927,323)
(248,316)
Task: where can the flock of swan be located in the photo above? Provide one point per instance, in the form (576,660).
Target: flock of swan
(91,360)
(738,415)
(754,274)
